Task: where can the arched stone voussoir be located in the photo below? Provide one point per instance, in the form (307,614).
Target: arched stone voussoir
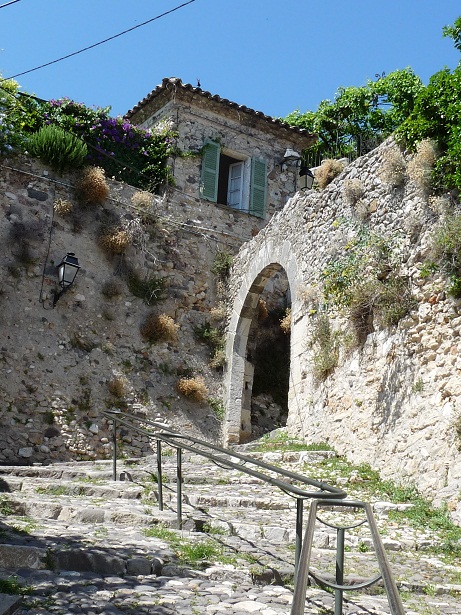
(266,258)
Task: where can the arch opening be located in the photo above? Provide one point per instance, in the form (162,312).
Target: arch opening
(261,357)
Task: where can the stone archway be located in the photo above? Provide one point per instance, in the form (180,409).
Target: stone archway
(270,259)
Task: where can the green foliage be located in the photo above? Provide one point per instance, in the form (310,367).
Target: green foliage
(428,268)
(12,586)
(360,118)
(437,116)
(217,405)
(326,347)
(188,552)
(212,336)
(60,149)
(446,245)
(222,264)
(365,283)
(282,442)
(454,32)
(124,151)
(446,252)
(150,289)
(19,116)
(5,507)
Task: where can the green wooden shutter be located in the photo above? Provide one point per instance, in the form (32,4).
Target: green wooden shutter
(258,188)
(210,171)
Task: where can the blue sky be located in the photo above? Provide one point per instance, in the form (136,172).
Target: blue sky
(272,56)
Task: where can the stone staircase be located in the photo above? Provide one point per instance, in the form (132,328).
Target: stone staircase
(82,543)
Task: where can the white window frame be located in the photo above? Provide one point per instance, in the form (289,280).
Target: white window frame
(245,181)
(253,184)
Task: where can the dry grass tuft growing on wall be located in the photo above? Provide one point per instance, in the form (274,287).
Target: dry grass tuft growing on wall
(394,168)
(218,313)
(193,388)
(325,343)
(142,200)
(285,322)
(159,328)
(310,296)
(327,172)
(362,210)
(117,387)
(112,288)
(114,240)
(421,165)
(353,191)
(441,205)
(63,207)
(218,360)
(92,186)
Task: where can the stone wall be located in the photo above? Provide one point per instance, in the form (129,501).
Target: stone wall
(392,402)
(57,365)
(197,119)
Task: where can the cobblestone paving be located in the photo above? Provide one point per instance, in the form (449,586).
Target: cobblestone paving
(79,540)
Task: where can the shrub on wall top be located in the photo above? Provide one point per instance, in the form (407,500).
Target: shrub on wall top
(58,148)
(126,152)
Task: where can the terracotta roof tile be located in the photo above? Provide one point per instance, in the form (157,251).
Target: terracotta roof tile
(177,83)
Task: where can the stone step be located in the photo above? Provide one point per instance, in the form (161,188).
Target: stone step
(9,604)
(90,527)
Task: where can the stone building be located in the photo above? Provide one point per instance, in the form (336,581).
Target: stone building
(235,167)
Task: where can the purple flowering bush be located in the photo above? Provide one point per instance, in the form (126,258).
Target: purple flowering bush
(126,152)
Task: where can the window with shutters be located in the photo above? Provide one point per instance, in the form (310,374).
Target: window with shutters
(232,179)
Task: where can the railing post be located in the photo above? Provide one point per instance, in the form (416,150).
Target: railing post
(299,532)
(179,486)
(339,570)
(302,578)
(114,449)
(159,475)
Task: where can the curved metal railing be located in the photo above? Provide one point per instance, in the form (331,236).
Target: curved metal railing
(323,494)
(224,458)
(339,586)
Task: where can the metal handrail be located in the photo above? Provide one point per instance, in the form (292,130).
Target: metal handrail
(222,457)
(325,495)
(339,587)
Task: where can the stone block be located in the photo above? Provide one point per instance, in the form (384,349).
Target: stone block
(9,604)
(26,452)
(13,557)
(138,566)
(81,560)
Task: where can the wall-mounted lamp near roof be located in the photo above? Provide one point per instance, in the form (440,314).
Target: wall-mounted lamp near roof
(291,157)
(67,271)
(306,178)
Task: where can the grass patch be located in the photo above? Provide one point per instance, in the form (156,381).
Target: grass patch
(5,507)
(364,480)
(190,553)
(13,587)
(283,442)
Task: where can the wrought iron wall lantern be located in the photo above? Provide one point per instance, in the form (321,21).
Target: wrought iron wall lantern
(306,178)
(67,272)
